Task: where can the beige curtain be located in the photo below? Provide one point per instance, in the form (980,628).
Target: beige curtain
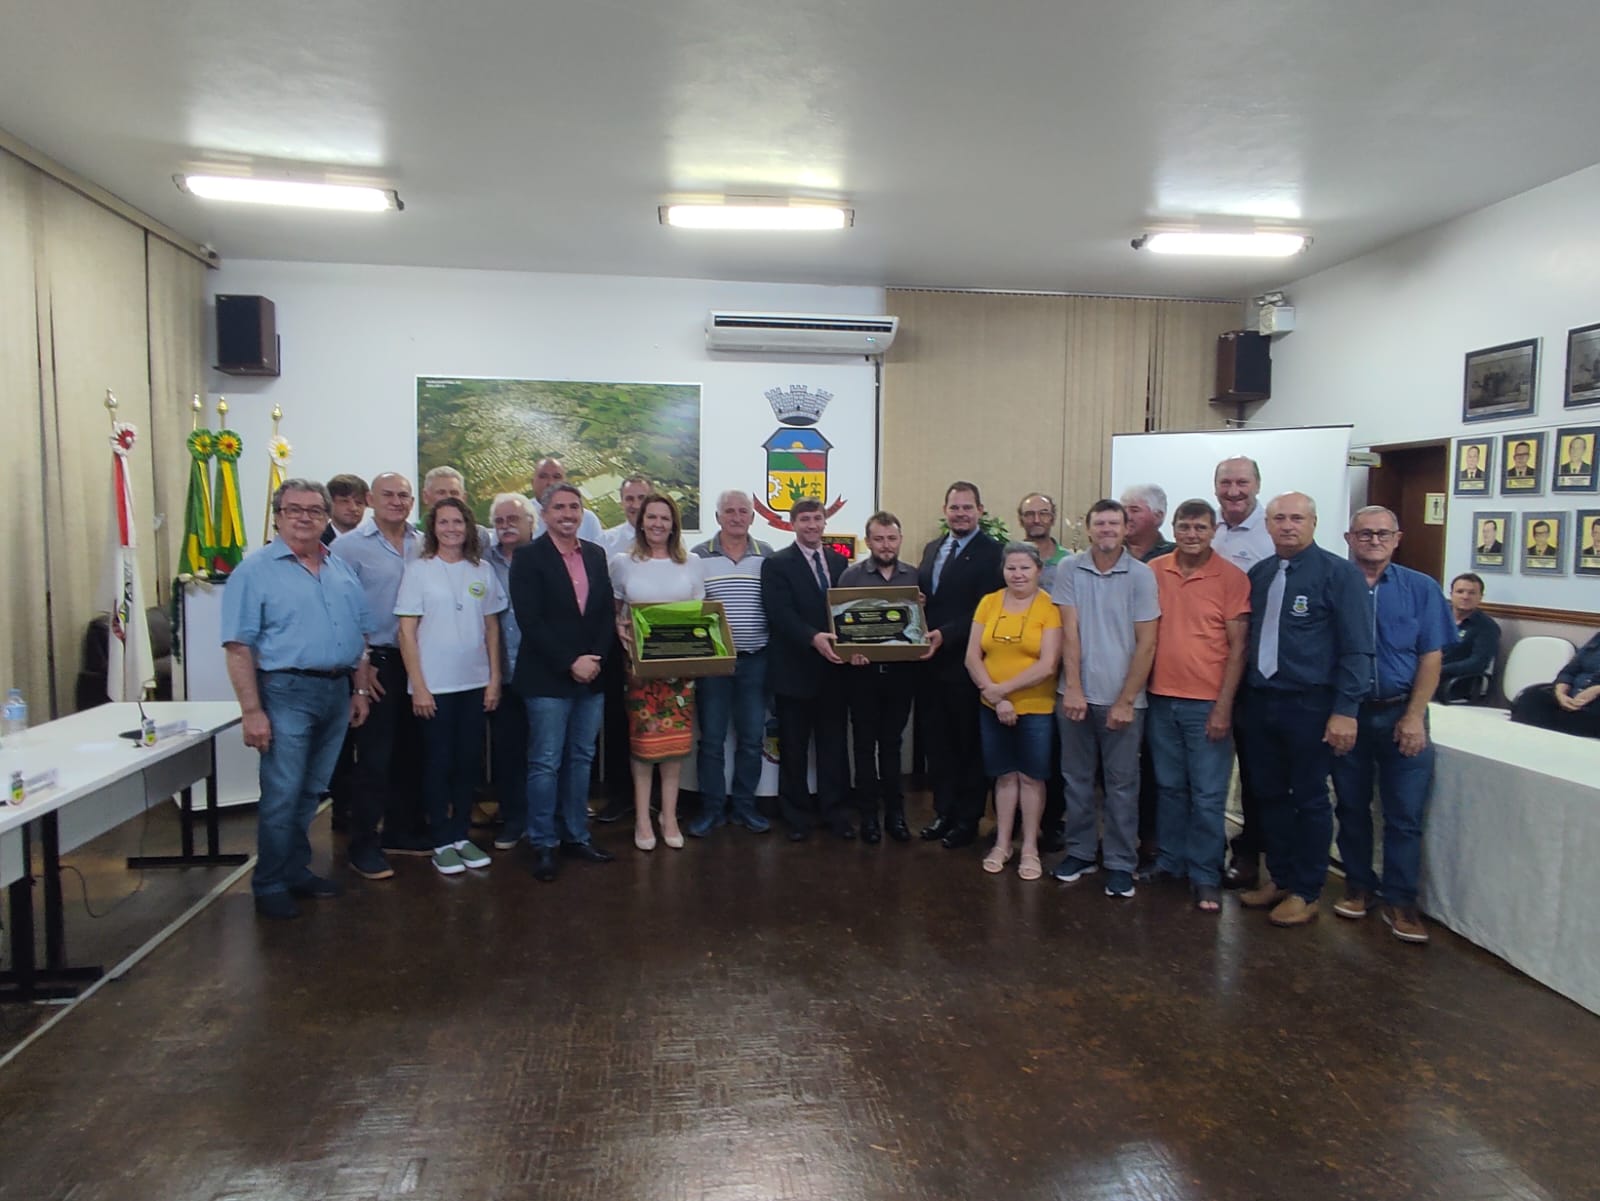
(24,637)
(1023,393)
(84,306)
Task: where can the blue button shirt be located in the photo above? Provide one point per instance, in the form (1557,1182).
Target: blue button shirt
(510,631)
(292,618)
(1583,669)
(379,567)
(1412,618)
(1324,628)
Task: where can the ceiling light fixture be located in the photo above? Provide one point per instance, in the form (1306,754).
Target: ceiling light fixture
(756,213)
(1258,244)
(244,189)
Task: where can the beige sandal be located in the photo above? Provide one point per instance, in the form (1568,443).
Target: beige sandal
(1029,867)
(996,860)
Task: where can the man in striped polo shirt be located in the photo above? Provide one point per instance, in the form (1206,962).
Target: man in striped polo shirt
(733,576)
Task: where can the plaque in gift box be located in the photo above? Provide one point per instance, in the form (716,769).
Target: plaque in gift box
(682,639)
(884,624)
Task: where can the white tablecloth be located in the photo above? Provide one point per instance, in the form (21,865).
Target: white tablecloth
(1511,845)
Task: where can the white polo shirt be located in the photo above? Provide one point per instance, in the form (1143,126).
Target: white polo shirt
(452,599)
(1246,544)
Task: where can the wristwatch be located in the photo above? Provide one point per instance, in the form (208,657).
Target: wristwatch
(363,692)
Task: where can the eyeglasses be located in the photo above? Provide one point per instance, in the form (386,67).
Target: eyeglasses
(1008,639)
(1036,514)
(1374,535)
(315,512)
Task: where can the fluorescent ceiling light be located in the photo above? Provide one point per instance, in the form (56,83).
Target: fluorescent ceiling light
(756,215)
(294,194)
(1260,244)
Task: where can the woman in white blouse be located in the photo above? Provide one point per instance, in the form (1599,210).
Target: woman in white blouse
(654,570)
(448,605)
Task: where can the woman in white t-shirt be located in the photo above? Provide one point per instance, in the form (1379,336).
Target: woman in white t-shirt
(448,607)
(654,570)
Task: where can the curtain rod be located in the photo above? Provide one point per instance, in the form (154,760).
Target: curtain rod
(94,192)
(1073,295)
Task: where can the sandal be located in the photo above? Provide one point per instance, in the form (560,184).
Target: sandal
(1208,898)
(1029,867)
(996,860)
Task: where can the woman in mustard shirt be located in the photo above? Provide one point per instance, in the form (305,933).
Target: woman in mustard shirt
(1012,657)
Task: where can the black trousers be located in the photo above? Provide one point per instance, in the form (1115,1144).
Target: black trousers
(1537,706)
(800,721)
(1055,793)
(955,756)
(385,782)
(615,763)
(1251,840)
(508,760)
(880,702)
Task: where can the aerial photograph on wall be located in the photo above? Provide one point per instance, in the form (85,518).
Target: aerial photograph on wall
(495,430)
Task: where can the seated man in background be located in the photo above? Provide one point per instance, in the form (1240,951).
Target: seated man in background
(1568,703)
(1477,636)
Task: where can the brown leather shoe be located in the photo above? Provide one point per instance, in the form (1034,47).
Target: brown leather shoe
(1405,923)
(1293,911)
(1265,897)
(1355,904)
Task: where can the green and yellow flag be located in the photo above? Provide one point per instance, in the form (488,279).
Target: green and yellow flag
(230,540)
(199,534)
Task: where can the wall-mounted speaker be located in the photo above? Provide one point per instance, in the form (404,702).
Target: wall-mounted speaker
(247,335)
(1244,366)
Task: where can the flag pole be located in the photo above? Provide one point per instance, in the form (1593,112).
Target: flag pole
(130,663)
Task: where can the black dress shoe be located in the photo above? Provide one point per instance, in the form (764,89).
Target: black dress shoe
(615,811)
(937,828)
(279,906)
(318,888)
(871,833)
(844,830)
(962,834)
(588,852)
(545,867)
(898,830)
(798,835)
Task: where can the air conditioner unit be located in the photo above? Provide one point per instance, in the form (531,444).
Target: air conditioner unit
(799,333)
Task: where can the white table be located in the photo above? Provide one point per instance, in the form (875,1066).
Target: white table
(103,780)
(1511,845)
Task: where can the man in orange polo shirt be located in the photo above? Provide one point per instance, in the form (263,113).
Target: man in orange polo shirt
(1200,650)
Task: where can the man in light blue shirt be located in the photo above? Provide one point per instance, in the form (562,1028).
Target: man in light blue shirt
(294,623)
(513,517)
(383,790)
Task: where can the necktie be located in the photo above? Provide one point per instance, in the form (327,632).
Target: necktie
(822,574)
(1267,659)
(942,559)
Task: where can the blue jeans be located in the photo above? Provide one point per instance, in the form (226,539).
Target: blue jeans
(1403,785)
(309,717)
(1088,744)
(452,763)
(561,738)
(1281,734)
(1192,778)
(742,700)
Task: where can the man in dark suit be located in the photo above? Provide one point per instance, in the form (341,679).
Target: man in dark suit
(1470,458)
(957,571)
(1521,467)
(806,676)
(561,594)
(1489,539)
(1577,460)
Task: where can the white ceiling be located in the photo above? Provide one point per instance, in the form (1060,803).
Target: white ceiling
(1016,145)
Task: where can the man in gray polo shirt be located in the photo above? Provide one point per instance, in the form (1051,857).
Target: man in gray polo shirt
(1109,609)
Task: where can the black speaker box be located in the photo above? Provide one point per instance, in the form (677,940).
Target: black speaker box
(247,335)
(1244,366)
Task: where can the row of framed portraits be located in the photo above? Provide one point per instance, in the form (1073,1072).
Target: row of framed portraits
(1540,543)
(1503,381)
(1525,461)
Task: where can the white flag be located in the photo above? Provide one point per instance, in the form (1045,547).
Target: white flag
(130,665)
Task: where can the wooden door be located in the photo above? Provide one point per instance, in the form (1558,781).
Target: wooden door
(1404,483)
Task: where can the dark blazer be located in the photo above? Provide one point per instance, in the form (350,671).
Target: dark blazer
(554,633)
(966,579)
(796,612)
(1494,548)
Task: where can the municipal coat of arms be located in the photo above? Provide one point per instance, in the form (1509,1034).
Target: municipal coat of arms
(797,455)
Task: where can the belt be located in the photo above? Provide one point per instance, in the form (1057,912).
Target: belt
(1388,701)
(340,673)
(382,652)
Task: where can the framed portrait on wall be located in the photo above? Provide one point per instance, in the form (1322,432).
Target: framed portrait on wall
(1574,460)
(1501,381)
(1583,367)
(1522,464)
(1586,536)
(1474,466)
(1542,541)
(1490,531)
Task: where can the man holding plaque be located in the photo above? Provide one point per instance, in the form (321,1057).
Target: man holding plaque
(880,693)
(804,671)
(957,571)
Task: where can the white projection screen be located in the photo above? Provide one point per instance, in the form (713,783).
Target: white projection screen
(1311,460)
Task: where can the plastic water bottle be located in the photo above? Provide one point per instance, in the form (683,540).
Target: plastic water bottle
(15,718)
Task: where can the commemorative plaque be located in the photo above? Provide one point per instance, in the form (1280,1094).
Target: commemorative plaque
(883,624)
(681,639)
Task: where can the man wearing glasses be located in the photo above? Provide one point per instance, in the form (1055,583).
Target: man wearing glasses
(293,625)
(1037,513)
(377,551)
(1414,626)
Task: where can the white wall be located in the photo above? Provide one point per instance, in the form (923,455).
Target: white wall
(1380,342)
(355,338)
